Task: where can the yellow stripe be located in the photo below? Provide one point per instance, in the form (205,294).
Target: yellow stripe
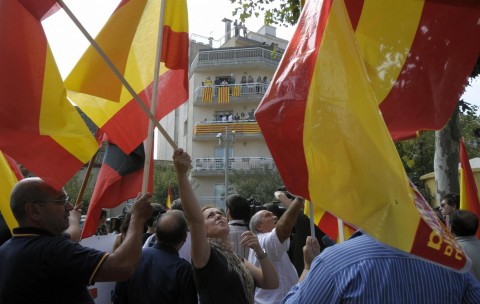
(59,119)
(176,15)
(354,169)
(385,32)
(7,180)
(463,192)
(94,273)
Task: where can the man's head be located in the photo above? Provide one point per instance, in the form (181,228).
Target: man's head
(172,229)
(263,221)
(177,205)
(463,223)
(157,210)
(238,207)
(449,203)
(35,204)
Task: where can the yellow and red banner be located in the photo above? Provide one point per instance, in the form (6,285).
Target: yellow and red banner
(329,130)
(236,91)
(129,39)
(329,224)
(207,94)
(9,176)
(223,94)
(418,55)
(468,189)
(39,127)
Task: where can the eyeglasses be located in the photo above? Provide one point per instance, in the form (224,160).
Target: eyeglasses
(63,201)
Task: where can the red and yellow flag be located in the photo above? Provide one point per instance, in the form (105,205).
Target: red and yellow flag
(418,55)
(328,130)
(328,223)
(168,204)
(130,41)
(39,127)
(468,188)
(9,176)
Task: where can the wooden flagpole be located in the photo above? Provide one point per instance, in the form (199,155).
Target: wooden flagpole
(85,180)
(153,101)
(341,233)
(117,73)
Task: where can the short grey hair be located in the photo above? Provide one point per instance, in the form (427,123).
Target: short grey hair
(255,221)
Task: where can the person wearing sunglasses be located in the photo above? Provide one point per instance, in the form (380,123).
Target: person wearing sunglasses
(40,264)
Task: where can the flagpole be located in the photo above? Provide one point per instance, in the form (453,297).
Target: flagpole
(312,227)
(341,233)
(153,101)
(117,73)
(85,180)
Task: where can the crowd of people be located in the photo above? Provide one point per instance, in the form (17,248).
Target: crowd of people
(208,255)
(248,85)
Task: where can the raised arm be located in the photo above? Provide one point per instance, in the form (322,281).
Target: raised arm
(120,265)
(74,224)
(287,221)
(310,251)
(200,248)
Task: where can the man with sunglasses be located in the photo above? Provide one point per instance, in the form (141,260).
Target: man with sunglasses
(40,264)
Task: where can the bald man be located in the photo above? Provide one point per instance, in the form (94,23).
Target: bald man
(40,264)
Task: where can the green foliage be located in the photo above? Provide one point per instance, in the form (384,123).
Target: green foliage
(261,184)
(279,12)
(73,186)
(163,175)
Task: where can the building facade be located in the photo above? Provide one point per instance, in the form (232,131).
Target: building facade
(216,126)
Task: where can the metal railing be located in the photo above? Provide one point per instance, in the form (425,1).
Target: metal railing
(215,127)
(214,166)
(216,94)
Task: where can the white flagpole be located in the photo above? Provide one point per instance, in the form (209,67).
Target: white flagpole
(117,73)
(341,235)
(153,101)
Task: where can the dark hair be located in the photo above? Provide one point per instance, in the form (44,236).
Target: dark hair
(463,223)
(157,210)
(171,228)
(452,199)
(103,213)
(238,206)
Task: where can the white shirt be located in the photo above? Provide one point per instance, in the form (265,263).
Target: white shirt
(287,274)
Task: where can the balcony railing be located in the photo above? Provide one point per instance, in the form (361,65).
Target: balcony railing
(221,94)
(254,55)
(243,129)
(215,166)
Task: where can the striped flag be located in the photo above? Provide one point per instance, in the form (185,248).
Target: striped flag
(9,176)
(418,55)
(168,204)
(328,129)
(207,94)
(223,95)
(129,39)
(120,178)
(39,127)
(328,223)
(468,188)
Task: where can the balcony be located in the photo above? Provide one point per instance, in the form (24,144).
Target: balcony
(215,166)
(226,94)
(232,57)
(208,130)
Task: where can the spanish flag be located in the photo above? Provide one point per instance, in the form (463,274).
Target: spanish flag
(9,176)
(129,39)
(328,223)
(321,121)
(168,204)
(468,188)
(418,55)
(39,127)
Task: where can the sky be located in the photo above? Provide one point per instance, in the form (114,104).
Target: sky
(205,19)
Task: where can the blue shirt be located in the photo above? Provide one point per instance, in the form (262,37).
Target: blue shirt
(362,270)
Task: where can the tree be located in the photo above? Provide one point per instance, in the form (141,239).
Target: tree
(72,187)
(259,184)
(279,12)
(164,175)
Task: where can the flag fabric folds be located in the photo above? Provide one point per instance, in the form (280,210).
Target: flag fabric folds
(9,176)
(468,189)
(168,204)
(322,124)
(328,223)
(129,39)
(39,127)
(120,178)
(418,55)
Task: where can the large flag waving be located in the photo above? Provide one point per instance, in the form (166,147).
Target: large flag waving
(120,178)
(418,55)
(321,121)
(130,41)
(9,176)
(38,125)
(468,188)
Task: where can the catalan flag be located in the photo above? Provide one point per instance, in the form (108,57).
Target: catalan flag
(9,176)
(418,55)
(223,94)
(129,39)
(468,188)
(207,94)
(321,120)
(39,127)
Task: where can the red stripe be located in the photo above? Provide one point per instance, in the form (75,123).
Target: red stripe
(354,8)
(285,101)
(329,224)
(41,9)
(171,94)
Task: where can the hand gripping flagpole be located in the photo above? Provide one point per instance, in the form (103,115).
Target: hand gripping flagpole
(153,102)
(118,74)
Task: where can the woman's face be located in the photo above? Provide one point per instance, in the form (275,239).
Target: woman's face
(216,224)
(445,208)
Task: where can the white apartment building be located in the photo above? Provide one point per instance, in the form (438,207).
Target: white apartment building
(218,118)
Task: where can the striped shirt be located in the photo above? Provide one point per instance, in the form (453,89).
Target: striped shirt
(363,270)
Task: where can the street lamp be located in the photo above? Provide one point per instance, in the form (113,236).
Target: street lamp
(226,141)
